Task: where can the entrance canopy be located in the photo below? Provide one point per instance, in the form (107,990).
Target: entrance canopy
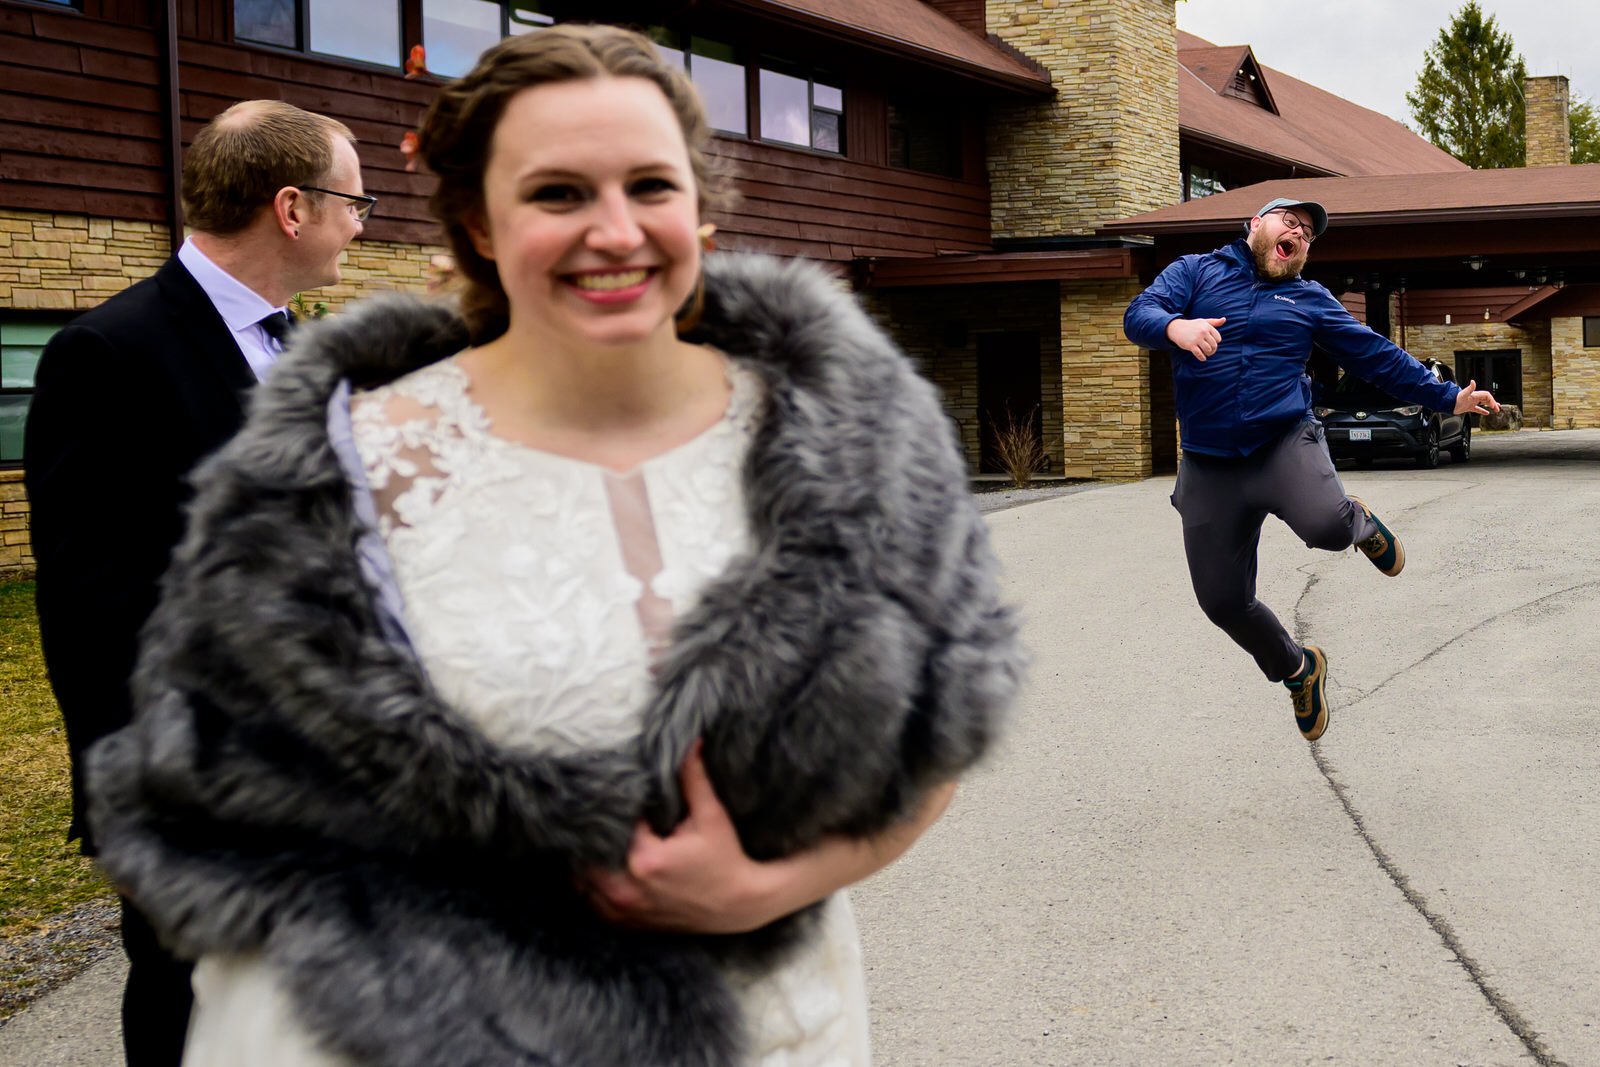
(1462,229)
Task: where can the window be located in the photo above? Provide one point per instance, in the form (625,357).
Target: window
(1203,181)
(266,21)
(798,109)
(924,138)
(716,71)
(526,17)
(1591,332)
(455,33)
(348,29)
(21,342)
(355,29)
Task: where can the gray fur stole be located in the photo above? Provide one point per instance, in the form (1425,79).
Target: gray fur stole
(293,786)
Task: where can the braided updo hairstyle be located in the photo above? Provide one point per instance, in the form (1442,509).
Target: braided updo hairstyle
(457,136)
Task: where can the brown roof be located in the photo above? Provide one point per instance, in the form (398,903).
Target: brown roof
(1313,129)
(911,29)
(1453,196)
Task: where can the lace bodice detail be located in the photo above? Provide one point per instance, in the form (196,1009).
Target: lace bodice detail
(538,587)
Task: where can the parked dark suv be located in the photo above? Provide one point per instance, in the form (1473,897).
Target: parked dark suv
(1364,423)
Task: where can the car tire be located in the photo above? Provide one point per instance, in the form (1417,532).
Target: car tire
(1428,458)
(1461,451)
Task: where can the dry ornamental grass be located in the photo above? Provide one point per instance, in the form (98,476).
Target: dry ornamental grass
(1019,450)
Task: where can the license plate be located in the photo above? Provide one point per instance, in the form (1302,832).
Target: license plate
(1360,435)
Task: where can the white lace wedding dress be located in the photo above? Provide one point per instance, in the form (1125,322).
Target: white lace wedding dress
(537,590)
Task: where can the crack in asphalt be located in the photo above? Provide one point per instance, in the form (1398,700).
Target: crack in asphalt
(1497,1001)
(1441,927)
(1488,620)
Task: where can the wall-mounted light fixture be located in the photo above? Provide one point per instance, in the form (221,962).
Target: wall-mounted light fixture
(1485,314)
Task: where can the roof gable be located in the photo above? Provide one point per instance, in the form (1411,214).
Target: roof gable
(1300,125)
(1230,71)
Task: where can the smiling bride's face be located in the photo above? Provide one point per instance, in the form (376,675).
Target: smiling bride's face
(590,210)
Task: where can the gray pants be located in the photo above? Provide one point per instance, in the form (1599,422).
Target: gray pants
(1224,502)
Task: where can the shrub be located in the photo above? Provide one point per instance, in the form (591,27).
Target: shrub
(1019,449)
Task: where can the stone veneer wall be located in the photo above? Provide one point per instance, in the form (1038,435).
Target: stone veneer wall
(939,328)
(1105,384)
(73,262)
(16,550)
(1533,339)
(1576,374)
(1548,129)
(1106,145)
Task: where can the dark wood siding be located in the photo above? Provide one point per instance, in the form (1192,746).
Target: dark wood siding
(378,107)
(1424,307)
(80,115)
(83,130)
(798,203)
(83,126)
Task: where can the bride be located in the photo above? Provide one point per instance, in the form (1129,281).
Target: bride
(534,679)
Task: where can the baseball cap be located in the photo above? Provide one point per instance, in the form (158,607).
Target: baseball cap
(1319,217)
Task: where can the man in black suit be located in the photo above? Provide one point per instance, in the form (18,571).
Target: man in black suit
(129,397)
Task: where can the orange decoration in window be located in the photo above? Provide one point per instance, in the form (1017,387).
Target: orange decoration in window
(416,62)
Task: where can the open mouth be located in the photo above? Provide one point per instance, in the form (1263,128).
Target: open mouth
(1286,248)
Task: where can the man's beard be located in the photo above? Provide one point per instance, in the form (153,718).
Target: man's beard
(1268,265)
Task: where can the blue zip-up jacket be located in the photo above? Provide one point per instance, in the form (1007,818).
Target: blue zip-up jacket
(1254,386)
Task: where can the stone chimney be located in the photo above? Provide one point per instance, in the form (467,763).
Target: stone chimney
(1548,134)
(1106,146)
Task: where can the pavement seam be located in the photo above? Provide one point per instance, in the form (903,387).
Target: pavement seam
(1482,623)
(1441,927)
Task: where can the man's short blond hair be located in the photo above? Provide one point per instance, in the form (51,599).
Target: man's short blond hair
(245,155)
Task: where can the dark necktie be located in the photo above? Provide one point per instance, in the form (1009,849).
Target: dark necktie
(276,326)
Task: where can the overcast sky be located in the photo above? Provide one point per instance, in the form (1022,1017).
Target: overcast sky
(1370,51)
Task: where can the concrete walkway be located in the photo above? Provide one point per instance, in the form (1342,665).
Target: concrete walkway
(1157,870)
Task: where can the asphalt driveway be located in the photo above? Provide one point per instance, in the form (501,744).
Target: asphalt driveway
(1157,870)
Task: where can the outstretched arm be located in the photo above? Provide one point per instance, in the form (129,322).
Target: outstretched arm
(698,878)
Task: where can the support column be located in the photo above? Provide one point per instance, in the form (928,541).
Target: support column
(1105,384)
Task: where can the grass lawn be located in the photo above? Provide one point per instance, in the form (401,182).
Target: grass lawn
(42,877)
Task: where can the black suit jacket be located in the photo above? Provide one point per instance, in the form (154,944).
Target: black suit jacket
(128,398)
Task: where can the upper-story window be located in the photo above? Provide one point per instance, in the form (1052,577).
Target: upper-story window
(347,29)
(1591,332)
(1203,181)
(922,137)
(799,107)
(22,340)
(455,32)
(717,72)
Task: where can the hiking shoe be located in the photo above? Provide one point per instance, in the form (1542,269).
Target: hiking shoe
(1308,692)
(1382,548)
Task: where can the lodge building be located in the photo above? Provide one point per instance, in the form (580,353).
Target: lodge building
(996,178)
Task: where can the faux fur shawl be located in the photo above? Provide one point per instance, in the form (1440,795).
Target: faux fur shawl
(292,784)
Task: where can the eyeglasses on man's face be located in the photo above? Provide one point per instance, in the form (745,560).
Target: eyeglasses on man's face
(360,204)
(1295,222)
